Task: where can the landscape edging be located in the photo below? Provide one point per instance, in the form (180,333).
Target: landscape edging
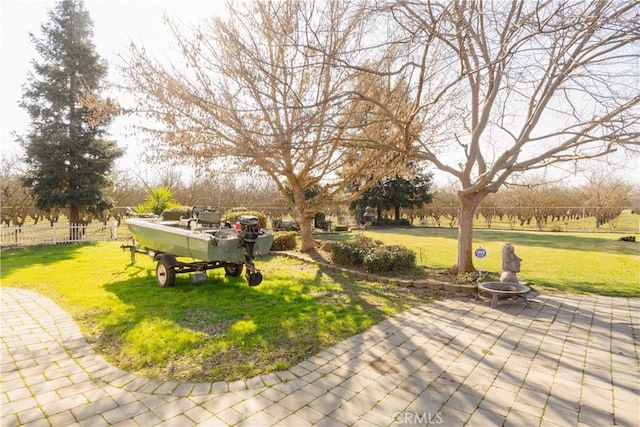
(461,289)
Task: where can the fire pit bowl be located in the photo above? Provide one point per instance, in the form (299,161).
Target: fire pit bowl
(504,290)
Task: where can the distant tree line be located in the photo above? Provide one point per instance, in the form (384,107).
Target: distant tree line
(603,198)
(396,200)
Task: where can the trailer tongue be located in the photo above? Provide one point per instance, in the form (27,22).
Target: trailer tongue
(204,241)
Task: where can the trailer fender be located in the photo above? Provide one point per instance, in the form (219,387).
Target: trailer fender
(169,260)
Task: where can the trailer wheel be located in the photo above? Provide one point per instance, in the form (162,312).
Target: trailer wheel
(234,270)
(165,274)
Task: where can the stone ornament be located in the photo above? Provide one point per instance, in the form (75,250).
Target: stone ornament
(510,264)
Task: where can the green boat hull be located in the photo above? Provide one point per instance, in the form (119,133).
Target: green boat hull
(198,244)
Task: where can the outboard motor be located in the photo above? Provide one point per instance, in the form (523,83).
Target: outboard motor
(248,233)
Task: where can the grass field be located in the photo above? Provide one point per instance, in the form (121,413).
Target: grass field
(223,329)
(568,262)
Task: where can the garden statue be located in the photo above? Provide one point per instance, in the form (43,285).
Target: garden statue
(368,216)
(510,264)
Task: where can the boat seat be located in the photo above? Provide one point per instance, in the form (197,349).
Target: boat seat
(209,218)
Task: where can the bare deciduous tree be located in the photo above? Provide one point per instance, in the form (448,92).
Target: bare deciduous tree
(259,88)
(521,85)
(605,197)
(17,200)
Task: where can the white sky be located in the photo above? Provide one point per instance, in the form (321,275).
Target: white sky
(115,24)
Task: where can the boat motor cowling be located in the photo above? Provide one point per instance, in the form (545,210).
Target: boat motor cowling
(248,233)
(249,228)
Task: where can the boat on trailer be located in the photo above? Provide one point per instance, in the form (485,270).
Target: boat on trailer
(199,243)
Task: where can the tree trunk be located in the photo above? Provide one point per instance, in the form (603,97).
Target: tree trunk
(468,205)
(397,213)
(74,222)
(305,217)
(306,232)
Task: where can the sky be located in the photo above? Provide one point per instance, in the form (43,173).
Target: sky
(116,24)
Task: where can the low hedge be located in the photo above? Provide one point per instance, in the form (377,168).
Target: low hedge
(284,241)
(389,258)
(363,251)
(351,252)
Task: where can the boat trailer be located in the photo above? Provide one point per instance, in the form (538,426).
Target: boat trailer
(205,240)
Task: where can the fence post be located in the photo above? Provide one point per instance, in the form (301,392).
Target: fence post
(114,234)
(54,232)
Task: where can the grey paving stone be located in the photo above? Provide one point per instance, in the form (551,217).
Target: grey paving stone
(485,417)
(124,412)
(571,360)
(198,414)
(172,409)
(147,419)
(296,400)
(293,420)
(258,419)
(230,416)
(560,415)
(252,405)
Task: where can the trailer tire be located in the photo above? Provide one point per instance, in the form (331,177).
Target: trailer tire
(234,270)
(165,274)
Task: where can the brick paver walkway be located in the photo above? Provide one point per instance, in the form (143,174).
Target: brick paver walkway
(570,360)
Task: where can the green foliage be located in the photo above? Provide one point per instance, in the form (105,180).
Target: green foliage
(284,241)
(176,213)
(219,330)
(351,252)
(396,192)
(568,262)
(363,251)
(234,215)
(389,258)
(388,222)
(157,201)
(67,158)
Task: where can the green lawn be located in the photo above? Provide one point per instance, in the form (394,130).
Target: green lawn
(568,262)
(223,329)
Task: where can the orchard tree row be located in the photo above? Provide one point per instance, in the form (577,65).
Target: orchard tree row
(541,205)
(602,198)
(128,190)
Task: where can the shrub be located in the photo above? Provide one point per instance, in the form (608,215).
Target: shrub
(388,222)
(175,213)
(389,258)
(284,241)
(341,227)
(233,216)
(351,252)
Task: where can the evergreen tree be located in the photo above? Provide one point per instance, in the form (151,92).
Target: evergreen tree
(398,191)
(68,160)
